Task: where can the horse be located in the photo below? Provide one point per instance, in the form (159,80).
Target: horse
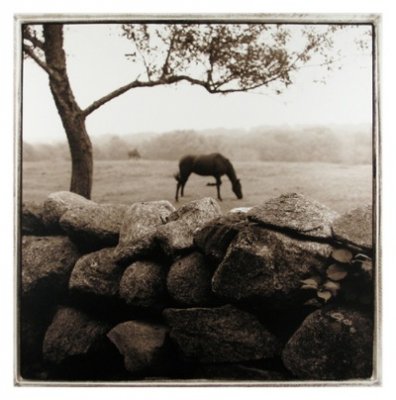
(133,154)
(214,164)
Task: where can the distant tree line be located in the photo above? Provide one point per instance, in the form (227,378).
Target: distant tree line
(267,144)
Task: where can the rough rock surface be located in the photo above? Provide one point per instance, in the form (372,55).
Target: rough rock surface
(94,227)
(142,345)
(189,280)
(47,262)
(72,333)
(267,265)
(355,227)
(332,344)
(296,213)
(97,274)
(221,334)
(58,203)
(137,234)
(215,236)
(143,284)
(178,234)
(32,219)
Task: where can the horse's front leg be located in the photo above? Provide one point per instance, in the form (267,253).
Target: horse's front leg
(218,184)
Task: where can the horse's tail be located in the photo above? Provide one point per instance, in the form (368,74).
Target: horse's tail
(177,176)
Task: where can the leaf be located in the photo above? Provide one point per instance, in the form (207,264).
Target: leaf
(367,266)
(342,255)
(336,272)
(309,283)
(361,257)
(333,287)
(324,294)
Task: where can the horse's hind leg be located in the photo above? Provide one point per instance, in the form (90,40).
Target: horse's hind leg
(177,191)
(183,184)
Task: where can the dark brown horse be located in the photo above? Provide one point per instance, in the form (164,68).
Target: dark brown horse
(207,165)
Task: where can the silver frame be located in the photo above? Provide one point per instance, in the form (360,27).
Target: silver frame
(370,19)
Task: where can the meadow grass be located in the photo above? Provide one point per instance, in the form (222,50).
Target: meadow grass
(341,187)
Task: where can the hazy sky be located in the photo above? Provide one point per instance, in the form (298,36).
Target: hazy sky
(97,65)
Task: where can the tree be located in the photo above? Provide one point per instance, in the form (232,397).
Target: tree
(221,58)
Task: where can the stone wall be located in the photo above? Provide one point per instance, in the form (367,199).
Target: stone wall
(279,292)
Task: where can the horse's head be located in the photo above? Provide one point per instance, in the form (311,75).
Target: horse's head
(237,188)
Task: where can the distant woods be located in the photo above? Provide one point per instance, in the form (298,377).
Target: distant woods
(349,145)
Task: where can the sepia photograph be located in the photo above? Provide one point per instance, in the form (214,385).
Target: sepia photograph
(197,200)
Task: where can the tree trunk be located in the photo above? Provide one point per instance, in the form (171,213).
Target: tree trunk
(73,119)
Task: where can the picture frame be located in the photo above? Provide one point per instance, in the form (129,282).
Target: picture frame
(324,19)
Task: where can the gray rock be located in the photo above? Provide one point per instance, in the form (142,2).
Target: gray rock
(97,274)
(215,236)
(47,262)
(142,344)
(143,284)
(222,334)
(95,227)
(71,333)
(294,212)
(58,203)
(331,344)
(177,235)
(356,228)
(137,234)
(32,219)
(267,265)
(189,280)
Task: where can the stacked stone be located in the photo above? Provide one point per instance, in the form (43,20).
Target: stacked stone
(144,291)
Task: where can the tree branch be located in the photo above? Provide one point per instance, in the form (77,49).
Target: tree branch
(30,52)
(33,39)
(165,67)
(168,81)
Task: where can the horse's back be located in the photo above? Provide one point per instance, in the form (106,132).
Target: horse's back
(206,164)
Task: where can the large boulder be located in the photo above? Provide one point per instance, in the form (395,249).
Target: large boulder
(47,262)
(72,334)
(142,344)
(32,219)
(189,280)
(220,334)
(215,236)
(95,227)
(96,274)
(58,203)
(143,284)
(295,213)
(265,265)
(331,344)
(138,229)
(355,228)
(178,234)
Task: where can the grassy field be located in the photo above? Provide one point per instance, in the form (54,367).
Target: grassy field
(339,186)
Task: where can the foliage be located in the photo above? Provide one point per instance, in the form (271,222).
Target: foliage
(348,279)
(226,58)
(303,144)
